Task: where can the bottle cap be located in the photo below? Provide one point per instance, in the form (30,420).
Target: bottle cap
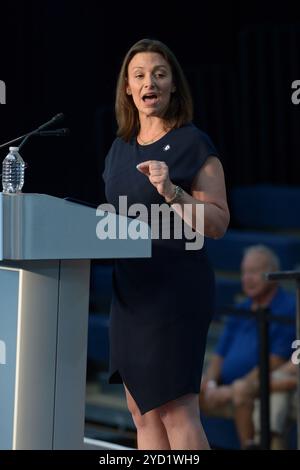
(14,149)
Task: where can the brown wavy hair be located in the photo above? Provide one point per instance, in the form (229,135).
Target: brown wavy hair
(180,109)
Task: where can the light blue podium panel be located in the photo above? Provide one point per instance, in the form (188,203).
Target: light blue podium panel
(9,292)
(46,244)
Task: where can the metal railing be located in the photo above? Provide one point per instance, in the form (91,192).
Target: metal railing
(263,317)
(292,276)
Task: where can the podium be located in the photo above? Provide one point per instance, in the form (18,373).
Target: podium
(46,245)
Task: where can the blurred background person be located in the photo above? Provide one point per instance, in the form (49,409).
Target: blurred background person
(232,374)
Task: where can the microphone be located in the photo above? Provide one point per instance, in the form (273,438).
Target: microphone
(58,118)
(55,120)
(41,132)
(56,133)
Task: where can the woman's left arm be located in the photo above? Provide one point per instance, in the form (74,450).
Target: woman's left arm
(208,188)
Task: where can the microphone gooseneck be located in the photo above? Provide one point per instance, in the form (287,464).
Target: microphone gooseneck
(55,120)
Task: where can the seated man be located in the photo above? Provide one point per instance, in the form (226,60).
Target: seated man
(236,355)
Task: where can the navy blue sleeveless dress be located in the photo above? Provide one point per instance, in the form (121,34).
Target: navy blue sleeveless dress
(161,306)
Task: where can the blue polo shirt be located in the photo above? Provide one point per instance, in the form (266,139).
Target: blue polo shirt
(238,344)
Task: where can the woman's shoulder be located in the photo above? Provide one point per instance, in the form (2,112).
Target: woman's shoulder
(196,137)
(120,143)
(118,146)
(117,143)
(190,129)
(191,132)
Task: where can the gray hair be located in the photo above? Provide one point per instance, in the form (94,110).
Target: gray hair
(273,260)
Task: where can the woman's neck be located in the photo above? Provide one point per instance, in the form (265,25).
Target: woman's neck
(151,129)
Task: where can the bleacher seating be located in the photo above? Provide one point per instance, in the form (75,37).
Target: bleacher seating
(265,207)
(100,298)
(98,342)
(227,290)
(261,214)
(226,254)
(100,287)
(221,432)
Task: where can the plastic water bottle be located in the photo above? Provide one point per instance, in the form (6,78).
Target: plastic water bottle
(13,168)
